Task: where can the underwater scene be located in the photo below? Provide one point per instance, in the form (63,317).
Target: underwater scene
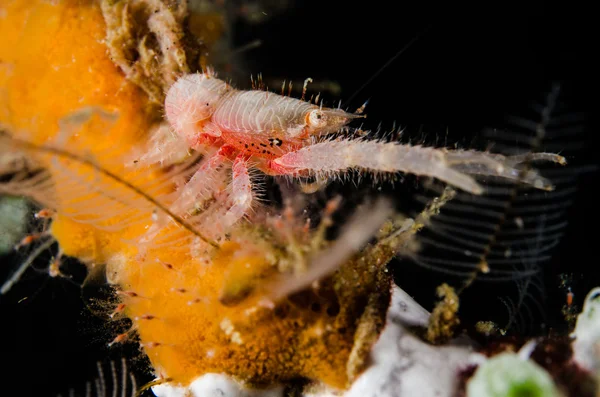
(298,198)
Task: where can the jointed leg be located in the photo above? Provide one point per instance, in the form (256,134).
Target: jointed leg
(208,181)
(241,192)
(201,185)
(229,208)
(452,167)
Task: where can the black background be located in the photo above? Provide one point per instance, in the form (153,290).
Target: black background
(472,66)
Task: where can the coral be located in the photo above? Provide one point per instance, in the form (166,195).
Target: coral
(77,139)
(270,301)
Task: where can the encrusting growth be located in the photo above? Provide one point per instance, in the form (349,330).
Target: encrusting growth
(166,208)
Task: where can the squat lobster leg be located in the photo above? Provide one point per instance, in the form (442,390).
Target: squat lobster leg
(201,185)
(451,167)
(230,206)
(241,192)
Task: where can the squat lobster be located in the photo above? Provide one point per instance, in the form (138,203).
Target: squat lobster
(277,135)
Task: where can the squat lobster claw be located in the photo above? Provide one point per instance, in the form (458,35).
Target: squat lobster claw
(452,167)
(276,134)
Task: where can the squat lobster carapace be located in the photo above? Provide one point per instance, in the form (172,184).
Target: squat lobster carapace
(280,135)
(201,107)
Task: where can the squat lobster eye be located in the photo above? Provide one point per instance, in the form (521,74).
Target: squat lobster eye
(316,118)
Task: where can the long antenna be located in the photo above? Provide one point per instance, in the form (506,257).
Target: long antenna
(388,63)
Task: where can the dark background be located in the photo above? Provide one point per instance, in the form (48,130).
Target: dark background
(469,68)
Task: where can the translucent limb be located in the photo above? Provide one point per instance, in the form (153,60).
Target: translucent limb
(489,164)
(205,183)
(359,229)
(201,185)
(241,193)
(165,147)
(452,167)
(231,205)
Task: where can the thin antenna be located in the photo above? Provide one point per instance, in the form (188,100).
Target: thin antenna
(388,63)
(246,47)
